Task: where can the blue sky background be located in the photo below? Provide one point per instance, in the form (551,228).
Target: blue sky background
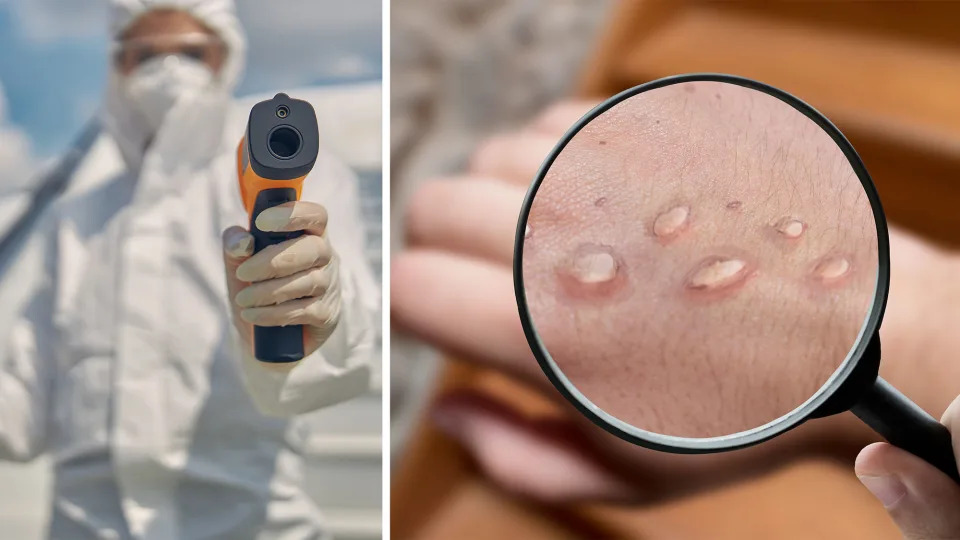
(53,57)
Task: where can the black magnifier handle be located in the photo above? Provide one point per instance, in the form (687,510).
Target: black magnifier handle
(906,425)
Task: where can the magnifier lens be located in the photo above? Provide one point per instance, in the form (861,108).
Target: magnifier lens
(699,259)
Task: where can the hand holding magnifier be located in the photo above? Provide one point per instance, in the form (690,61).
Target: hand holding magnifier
(774,261)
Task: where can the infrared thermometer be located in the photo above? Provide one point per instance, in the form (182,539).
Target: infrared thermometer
(278,149)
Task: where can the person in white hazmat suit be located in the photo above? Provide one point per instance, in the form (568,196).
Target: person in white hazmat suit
(131,363)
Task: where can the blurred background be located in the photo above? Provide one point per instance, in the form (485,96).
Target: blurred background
(482,68)
(887,73)
(52,73)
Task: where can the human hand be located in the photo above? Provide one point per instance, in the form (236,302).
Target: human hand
(922,500)
(293,282)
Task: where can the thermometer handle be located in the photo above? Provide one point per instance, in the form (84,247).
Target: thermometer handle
(275,344)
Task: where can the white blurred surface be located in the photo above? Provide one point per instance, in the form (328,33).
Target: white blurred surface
(23,500)
(463,70)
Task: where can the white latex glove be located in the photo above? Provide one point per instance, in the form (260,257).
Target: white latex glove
(294,282)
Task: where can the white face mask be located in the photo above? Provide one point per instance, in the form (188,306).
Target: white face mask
(156,85)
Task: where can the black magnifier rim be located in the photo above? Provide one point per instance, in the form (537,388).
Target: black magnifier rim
(684,445)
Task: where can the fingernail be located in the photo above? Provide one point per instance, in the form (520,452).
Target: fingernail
(238,243)
(244,298)
(887,489)
(275,218)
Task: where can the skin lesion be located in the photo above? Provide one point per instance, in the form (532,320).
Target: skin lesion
(593,272)
(789,227)
(671,223)
(719,274)
(697,318)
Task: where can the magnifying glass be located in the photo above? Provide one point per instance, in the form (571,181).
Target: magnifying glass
(702,264)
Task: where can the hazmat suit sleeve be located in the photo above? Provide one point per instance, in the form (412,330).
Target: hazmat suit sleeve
(26,364)
(343,367)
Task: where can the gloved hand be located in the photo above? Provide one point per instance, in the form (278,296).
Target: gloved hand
(921,500)
(294,282)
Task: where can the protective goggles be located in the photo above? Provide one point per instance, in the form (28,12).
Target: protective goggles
(128,54)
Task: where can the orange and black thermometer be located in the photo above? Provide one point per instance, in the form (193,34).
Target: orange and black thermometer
(277,151)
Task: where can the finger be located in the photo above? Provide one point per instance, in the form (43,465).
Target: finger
(951,419)
(465,306)
(308,283)
(294,216)
(471,216)
(322,312)
(560,117)
(921,499)
(523,455)
(286,258)
(515,158)
(237,245)
(237,248)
